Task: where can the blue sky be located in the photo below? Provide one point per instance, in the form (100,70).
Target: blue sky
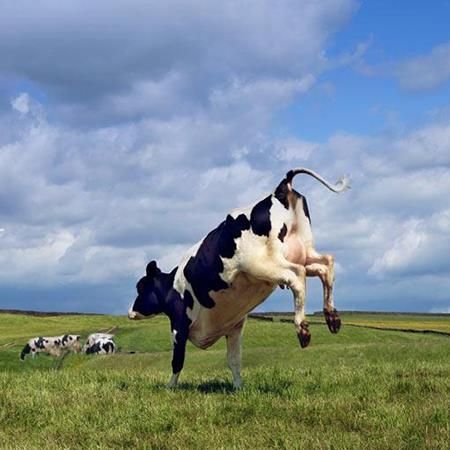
(129,129)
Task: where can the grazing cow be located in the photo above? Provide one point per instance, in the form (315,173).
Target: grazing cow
(99,344)
(70,342)
(54,345)
(235,268)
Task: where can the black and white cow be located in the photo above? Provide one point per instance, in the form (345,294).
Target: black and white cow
(99,344)
(54,345)
(235,268)
(70,342)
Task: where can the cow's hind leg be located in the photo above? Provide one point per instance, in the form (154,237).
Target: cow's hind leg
(322,266)
(283,272)
(234,339)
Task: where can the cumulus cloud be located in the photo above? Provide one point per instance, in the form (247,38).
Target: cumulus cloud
(390,232)
(420,247)
(120,61)
(426,147)
(91,206)
(443,310)
(425,72)
(294,150)
(130,139)
(96,205)
(21,103)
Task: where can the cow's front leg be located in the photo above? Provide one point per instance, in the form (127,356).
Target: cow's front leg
(179,337)
(322,266)
(234,340)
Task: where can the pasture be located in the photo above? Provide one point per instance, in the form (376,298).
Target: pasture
(362,388)
(394,321)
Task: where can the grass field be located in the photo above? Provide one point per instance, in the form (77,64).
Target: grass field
(363,388)
(418,322)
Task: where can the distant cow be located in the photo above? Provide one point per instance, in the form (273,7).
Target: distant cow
(70,342)
(235,268)
(54,345)
(99,344)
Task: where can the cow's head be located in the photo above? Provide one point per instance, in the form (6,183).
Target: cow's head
(152,292)
(76,343)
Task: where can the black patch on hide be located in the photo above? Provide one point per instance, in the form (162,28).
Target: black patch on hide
(25,351)
(281,193)
(260,217)
(40,342)
(108,347)
(203,270)
(305,208)
(282,233)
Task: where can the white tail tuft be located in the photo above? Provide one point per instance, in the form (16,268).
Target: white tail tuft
(343,184)
(340,186)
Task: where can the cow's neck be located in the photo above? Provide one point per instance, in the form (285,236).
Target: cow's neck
(166,293)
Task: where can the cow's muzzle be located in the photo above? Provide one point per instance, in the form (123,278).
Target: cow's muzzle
(134,315)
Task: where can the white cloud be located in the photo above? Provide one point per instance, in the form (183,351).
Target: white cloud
(153,127)
(96,205)
(427,147)
(21,103)
(440,310)
(419,249)
(425,71)
(406,249)
(294,150)
(394,224)
(124,61)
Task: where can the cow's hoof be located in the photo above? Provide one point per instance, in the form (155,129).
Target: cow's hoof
(304,335)
(333,320)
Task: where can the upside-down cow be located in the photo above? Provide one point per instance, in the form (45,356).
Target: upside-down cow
(235,268)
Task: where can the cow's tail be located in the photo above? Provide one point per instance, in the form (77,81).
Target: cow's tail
(341,185)
(25,351)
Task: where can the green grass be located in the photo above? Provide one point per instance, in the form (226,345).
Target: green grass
(419,322)
(362,388)
(386,320)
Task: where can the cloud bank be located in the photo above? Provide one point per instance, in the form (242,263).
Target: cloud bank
(128,130)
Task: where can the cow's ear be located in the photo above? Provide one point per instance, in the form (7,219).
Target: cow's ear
(152,269)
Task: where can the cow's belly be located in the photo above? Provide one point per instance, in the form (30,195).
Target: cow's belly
(294,250)
(232,305)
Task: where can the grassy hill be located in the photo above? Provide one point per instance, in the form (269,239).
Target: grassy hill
(396,321)
(364,388)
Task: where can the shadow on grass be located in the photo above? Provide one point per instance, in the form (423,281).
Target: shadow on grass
(210,387)
(226,387)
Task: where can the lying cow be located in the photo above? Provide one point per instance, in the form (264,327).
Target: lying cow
(53,346)
(99,344)
(235,268)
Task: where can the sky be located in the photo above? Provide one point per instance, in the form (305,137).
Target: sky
(128,130)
